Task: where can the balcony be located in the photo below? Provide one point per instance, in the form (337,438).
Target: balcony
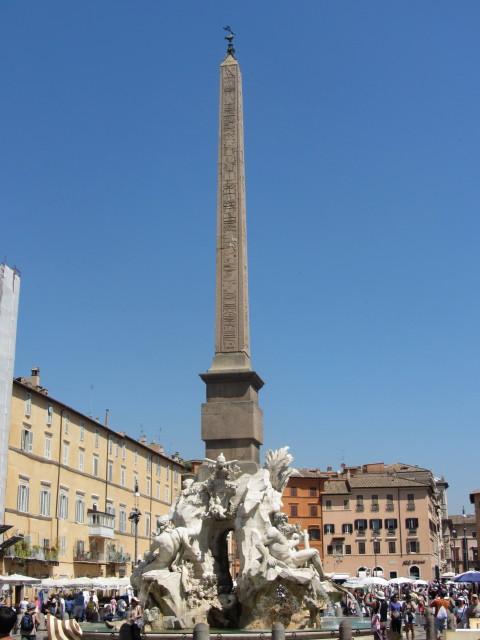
(374,507)
(389,506)
(359,507)
(391,532)
(412,532)
(361,533)
(24,551)
(100,524)
(410,506)
(80,555)
(118,557)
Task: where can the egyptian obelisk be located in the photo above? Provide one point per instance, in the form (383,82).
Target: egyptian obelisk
(232,422)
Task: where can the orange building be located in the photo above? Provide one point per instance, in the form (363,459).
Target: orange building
(302,502)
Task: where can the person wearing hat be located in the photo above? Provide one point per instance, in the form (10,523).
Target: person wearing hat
(136,614)
(62,629)
(29,622)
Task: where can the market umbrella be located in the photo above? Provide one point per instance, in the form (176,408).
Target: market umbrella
(468,576)
(448,574)
(421,583)
(17,578)
(401,581)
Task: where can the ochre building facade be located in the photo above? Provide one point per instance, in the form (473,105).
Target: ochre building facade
(71,487)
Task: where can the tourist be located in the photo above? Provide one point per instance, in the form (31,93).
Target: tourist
(395,609)
(473,610)
(8,619)
(79,607)
(461,612)
(375,624)
(441,606)
(91,611)
(121,608)
(136,613)
(113,605)
(383,611)
(409,610)
(30,622)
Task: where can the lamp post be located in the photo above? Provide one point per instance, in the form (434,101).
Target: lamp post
(455,555)
(134,517)
(465,545)
(375,540)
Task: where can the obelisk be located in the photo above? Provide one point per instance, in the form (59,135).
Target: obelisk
(232,421)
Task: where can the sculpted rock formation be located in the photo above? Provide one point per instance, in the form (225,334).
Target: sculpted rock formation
(185,577)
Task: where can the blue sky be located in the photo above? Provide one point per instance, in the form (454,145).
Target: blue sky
(362,146)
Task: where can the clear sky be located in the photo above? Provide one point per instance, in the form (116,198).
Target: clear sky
(362,136)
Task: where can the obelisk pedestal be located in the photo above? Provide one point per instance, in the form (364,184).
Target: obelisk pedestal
(232,421)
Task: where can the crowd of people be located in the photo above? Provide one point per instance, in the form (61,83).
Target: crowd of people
(80,606)
(400,609)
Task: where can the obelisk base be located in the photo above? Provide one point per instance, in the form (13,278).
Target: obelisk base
(232,421)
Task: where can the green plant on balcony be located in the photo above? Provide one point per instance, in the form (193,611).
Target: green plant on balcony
(22,549)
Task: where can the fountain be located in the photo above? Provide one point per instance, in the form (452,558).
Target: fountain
(184,579)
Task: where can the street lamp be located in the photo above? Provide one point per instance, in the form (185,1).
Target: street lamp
(134,517)
(375,540)
(455,554)
(465,546)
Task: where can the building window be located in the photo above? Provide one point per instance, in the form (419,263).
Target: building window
(167,495)
(376,546)
(330,549)
(44,501)
(347,528)
(47,450)
(62,545)
(410,502)
(157,468)
(375,524)
(122,476)
(374,502)
(346,503)
(389,502)
(111,510)
(82,432)
(124,452)
(390,524)
(110,471)
(97,439)
(157,494)
(313,491)
(361,548)
(328,505)
(328,528)
(413,546)
(79,510)
(135,457)
(65,424)
(63,505)
(110,447)
(23,493)
(148,526)
(313,510)
(28,405)
(66,451)
(411,523)
(348,549)
(359,506)
(392,547)
(95,465)
(361,525)
(294,510)
(149,463)
(149,486)
(314,533)
(116,450)
(293,492)
(27,440)
(122,520)
(81,459)
(49,415)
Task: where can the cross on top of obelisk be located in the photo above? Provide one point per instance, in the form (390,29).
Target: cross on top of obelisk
(229,38)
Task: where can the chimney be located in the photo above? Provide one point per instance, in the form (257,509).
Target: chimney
(142,440)
(34,378)
(329,468)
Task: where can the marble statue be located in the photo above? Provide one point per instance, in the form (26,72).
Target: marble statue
(185,576)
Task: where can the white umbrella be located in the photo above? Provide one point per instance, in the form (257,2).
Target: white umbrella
(420,583)
(17,578)
(448,574)
(401,581)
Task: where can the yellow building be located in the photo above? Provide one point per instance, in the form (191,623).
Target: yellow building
(71,489)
